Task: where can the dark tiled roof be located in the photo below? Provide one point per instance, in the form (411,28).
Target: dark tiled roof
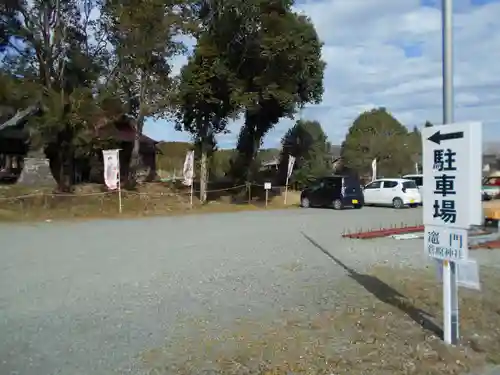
(129,136)
(122,131)
(9,117)
(6,112)
(125,135)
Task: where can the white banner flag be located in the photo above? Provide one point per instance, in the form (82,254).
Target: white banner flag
(374,169)
(291,163)
(188,169)
(111,168)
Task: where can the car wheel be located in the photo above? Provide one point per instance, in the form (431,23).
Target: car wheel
(397,203)
(337,204)
(304,202)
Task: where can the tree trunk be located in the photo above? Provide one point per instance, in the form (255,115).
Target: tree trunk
(248,147)
(203,174)
(65,173)
(61,155)
(134,161)
(135,154)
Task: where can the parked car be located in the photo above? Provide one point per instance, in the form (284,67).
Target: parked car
(333,191)
(395,192)
(491,186)
(418,178)
(419,181)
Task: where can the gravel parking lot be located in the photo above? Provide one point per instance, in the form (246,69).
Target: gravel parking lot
(93,297)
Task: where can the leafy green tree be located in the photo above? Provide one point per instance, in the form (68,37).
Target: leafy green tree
(221,162)
(17,94)
(7,11)
(143,35)
(171,155)
(415,146)
(275,55)
(376,134)
(53,66)
(308,143)
(206,101)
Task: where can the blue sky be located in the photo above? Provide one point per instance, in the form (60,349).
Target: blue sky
(388,53)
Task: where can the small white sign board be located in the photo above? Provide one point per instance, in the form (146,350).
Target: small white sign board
(408,236)
(267,185)
(467,273)
(452,164)
(446,243)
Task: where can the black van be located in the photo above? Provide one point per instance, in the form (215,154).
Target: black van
(333,191)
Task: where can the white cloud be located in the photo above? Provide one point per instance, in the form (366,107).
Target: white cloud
(388,53)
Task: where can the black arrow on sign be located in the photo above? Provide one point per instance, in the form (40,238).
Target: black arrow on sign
(437,137)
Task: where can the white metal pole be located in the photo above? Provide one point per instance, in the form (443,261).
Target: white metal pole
(120,197)
(192,181)
(119,184)
(192,192)
(286,188)
(450,289)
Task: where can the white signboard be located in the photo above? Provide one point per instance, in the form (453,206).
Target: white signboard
(467,273)
(188,169)
(452,164)
(291,163)
(267,185)
(446,243)
(111,168)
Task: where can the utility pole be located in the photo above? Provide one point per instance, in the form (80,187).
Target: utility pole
(450,288)
(447,14)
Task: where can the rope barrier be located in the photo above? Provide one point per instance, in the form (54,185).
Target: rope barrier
(184,192)
(42,194)
(126,192)
(21,196)
(272,187)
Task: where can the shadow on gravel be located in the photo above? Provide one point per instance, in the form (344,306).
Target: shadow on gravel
(384,292)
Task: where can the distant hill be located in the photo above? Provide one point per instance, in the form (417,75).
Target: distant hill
(174,149)
(172,155)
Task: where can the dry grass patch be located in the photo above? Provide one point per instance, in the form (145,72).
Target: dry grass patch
(293,198)
(360,334)
(90,201)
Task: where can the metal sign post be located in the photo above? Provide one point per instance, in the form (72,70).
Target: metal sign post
(450,289)
(267,187)
(452,203)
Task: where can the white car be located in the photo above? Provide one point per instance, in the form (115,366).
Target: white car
(395,192)
(418,178)
(419,181)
